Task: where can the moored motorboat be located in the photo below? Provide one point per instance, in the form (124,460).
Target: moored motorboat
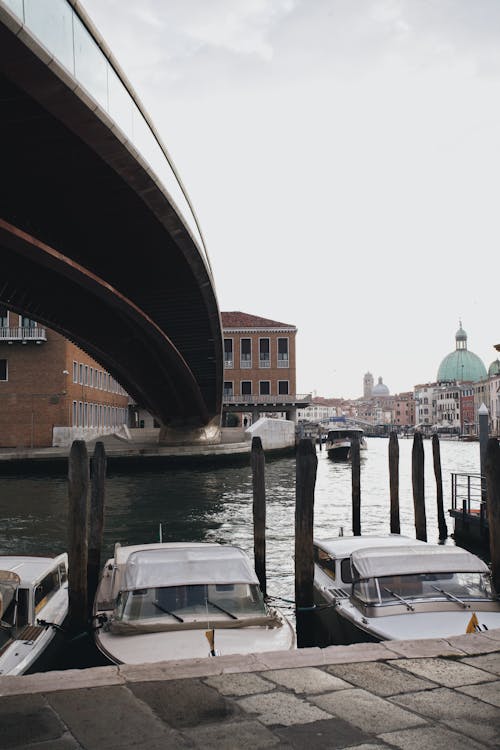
(385,588)
(33,607)
(167,601)
(338,442)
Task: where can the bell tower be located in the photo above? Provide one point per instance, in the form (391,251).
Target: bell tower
(367,385)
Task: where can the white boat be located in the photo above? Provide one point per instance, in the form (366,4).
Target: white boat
(33,607)
(167,601)
(393,587)
(338,442)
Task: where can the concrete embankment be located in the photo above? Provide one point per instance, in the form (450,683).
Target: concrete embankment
(144,453)
(401,694)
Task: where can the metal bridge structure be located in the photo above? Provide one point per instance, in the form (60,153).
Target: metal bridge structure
(98,237)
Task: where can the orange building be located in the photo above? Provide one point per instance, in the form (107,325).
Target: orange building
(259,367)
(51,392)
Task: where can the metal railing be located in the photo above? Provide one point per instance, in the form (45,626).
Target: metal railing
(23,334)
(266,398)
(468,496)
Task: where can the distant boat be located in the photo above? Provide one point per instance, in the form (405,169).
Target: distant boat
(33,607)
(170,601)
(338,442)
(394,587)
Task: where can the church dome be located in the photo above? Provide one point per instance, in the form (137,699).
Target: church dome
(494,368)
(461,365)
(380,389)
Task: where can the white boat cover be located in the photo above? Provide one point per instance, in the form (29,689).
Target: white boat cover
(374,562)
(177,566)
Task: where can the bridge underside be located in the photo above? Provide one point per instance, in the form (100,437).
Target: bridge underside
(92,248)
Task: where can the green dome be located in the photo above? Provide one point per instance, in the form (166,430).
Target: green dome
(461,364)
(494,368)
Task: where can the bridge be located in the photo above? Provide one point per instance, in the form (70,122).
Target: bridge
(99,240)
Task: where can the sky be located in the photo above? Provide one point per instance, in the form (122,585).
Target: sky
(343,158)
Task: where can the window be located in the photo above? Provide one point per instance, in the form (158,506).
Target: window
(228,353)
(283,353)
(27,323)
(264,387)
(246,387)
(86,375)
(325,562)
(3,369)
(4,317)
(228,388)
(264,353)
(75,372)
(283,387)
(245,354)
(46,589)
(75,417)
(80,374)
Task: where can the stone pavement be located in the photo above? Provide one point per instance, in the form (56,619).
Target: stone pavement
(413,695)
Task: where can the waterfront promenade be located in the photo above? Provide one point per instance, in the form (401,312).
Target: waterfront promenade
(430,694)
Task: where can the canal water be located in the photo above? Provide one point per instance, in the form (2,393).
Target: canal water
(216,505)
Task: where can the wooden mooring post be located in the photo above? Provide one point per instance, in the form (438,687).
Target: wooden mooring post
(78,492)
(307,463)
(96,521)
(436,455)
(356,486)
(492,471)
(394,482)
(259,511)
(417,475)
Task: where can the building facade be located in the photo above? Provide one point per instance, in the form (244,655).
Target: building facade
(51,392)
(259,368)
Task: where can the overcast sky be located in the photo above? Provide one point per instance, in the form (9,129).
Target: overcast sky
(343,157)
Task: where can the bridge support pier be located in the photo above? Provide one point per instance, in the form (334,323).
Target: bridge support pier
(182,434)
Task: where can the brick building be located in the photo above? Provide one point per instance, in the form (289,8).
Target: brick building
(50,391)
(259,367)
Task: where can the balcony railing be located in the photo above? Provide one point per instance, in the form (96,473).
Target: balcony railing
(245,364)
(23,335)
(264,362)
(267,398)
(283,362)
(228,363)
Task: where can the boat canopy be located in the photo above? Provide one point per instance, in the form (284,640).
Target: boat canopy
(374,562)
(9,583)
(177,566)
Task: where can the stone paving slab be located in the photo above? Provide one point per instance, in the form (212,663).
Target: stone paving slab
(444,671)
(488,662)
(430,738)
(360,697)
(380,678)
(488,692)
(368,712)
(461,713)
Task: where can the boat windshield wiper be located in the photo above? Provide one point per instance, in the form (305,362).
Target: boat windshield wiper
(226,612)
(452,597)
(409,606)
(168,612)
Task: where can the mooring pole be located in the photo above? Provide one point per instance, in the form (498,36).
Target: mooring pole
(492,471)
(307,463)
(436,455)
(484,418)
(394,482)
(356,486)
(259,511)
(78,487)
(417,475)
(96,521)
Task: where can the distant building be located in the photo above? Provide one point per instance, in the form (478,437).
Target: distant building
(404,410)
(50,391)
(380,390)
(367,385)
(259,368)
(461,365)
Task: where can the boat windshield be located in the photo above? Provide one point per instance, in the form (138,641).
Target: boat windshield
(456,587)
(191,603)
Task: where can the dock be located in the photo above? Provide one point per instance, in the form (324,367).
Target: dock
(399,694)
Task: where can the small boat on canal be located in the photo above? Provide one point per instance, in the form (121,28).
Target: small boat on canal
(33,607)
(338,442)
(171,601)
(394,587)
